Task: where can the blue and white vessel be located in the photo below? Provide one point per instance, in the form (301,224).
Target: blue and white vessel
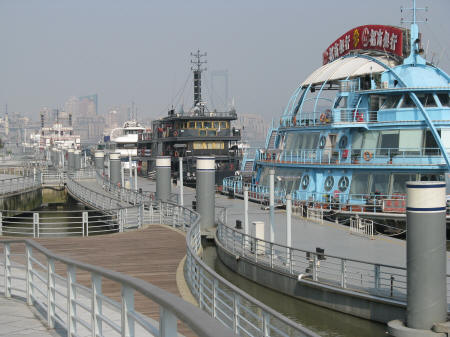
(375,115)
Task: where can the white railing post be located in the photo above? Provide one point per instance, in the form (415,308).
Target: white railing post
(343,267)
(7,271)
(35,224)
(1,223)
(96,305)
(141,215)
(71,304)
(127,322)
(236,312)
(51,293)
(85,223)
(167,323)
(266,323)
(29,274)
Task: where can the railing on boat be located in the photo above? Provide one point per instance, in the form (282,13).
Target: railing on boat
(368,156)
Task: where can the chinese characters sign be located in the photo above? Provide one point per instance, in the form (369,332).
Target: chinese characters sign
(384,38)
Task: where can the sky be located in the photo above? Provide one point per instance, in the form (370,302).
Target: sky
(139,50)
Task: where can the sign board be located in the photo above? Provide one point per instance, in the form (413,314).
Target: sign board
(394,205)
(386,39)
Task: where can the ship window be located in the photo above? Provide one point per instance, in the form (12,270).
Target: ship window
(305,182)
(444,99)
(380,184)
(202,132)
(329,183)
(207,125)
(399,182)
(211,132)
(431,147)
(445,138)
(359,184)
(191,125)
(216,125)
(370,140)
(310,141)
(391,102)
(427,100)
(185,125)
(410,140)
(343,184)
(357,139)
(407,102)
(389,140)
(223,125)
(199,125)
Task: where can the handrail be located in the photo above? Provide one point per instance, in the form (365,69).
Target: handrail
(18,184)
(172,307)
(375,279)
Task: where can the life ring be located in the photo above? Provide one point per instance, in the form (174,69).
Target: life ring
(367,155)
(323,118)
(294,120)
(176,154)
(175,133)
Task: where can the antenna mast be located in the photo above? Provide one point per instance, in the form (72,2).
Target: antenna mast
(197,68)
(414,57)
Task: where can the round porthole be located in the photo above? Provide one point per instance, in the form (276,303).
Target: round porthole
(343,184)
(343,142)
(305,182)
(329,182)
(322,142)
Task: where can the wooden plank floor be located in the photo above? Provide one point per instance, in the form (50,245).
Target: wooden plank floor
(152,254)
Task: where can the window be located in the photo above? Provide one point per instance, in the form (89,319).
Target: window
(427,100)
(199,125)
(207,125)
(380,184)
(445,138)
(191,125)
(370,140)
(389,140)
(223,125)
(359,184)
(357,140)
(407,102)
(410,140)
(431,147)
(202,132)
(391,102)
(444,99)
(216,125)
(211,132)
(399,182)
(329,183)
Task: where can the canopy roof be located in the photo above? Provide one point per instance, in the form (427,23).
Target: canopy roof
(347,67)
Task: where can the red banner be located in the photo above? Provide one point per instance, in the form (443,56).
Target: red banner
(375,37)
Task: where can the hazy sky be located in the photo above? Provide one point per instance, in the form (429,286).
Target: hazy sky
(139,50)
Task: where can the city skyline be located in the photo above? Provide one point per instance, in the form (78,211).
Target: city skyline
(140,50)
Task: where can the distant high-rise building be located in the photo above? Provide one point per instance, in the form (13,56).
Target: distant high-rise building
(88,105)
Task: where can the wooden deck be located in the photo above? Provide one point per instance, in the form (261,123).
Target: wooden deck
(152,254)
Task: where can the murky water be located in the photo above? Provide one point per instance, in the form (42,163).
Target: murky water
(323,321)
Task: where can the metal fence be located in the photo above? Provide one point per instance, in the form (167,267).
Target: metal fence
(19,184)
(56,223)
(385,281)
(81,307)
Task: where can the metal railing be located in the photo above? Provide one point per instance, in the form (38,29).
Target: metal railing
(68,223)
(367,156)
(131,216)
(19,184)
(363,227)
(63,299)
(381,280)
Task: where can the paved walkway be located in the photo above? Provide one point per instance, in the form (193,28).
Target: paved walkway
(18,320)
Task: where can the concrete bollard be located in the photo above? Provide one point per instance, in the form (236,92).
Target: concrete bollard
(163,187)
(205,193)
(426,260)
(99,161)
(272,203)
(114,166)
(77,159)
(71,159)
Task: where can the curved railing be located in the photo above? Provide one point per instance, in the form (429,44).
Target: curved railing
(84,309)
(222,300)
(375,279)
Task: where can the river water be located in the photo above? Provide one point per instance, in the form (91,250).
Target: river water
(325,322)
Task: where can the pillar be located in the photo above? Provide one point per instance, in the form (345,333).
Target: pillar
(114,166)
(77,159)
(272,203)
(71,159)
(163,187)
(205,193)
(99,161)
(426,259)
